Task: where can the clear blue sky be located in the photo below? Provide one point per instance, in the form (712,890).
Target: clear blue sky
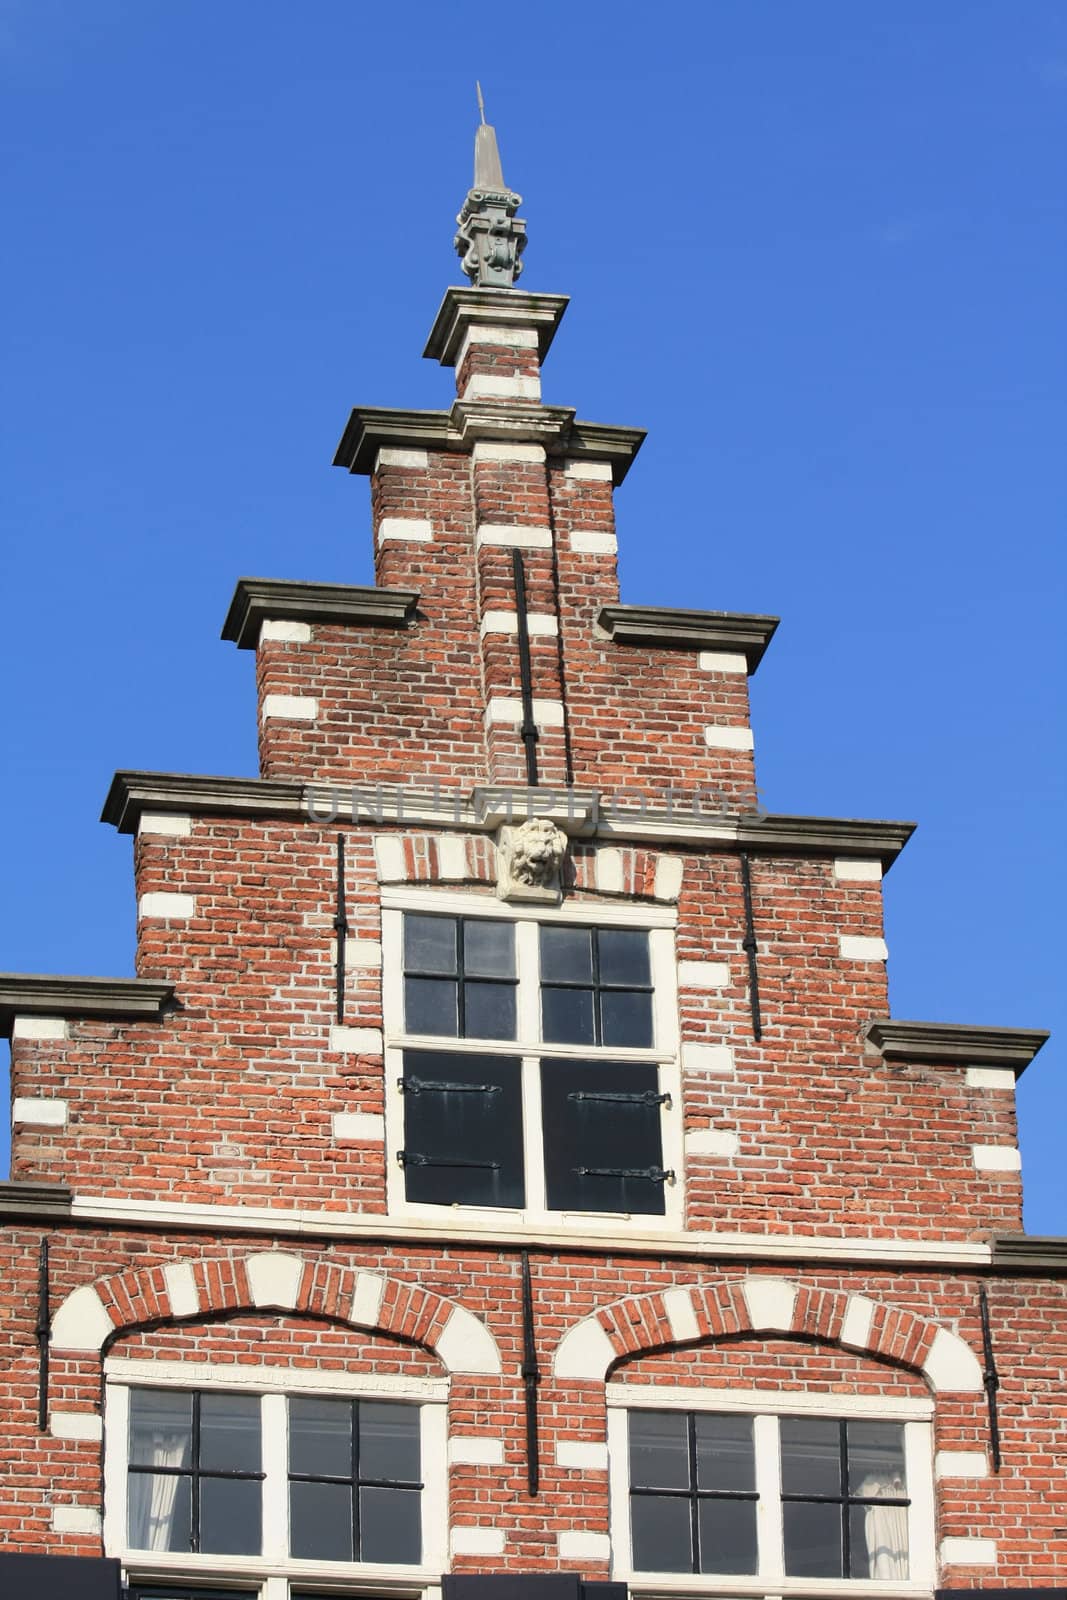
(817,250)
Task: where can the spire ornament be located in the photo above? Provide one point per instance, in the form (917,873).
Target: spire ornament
(491,237)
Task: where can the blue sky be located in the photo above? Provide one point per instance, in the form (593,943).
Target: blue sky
(817,250)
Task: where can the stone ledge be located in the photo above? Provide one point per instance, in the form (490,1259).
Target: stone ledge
(463,308)
(1030,1252)
(131,793)
(956,1043)
(33,1199)
(666,628)
(40,994)
(838,836)
(257,600)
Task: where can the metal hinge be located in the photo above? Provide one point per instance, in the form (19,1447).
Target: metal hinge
(647,1097)
(443,1086)
(652,1174)
(415,1158)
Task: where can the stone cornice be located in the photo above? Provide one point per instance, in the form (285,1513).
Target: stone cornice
(667,628)
(34,1199)
(463,308)
(256,600)
(370,429)
(131,793)
(27,994)
(1028,1252)
(837,836)
(956,1043)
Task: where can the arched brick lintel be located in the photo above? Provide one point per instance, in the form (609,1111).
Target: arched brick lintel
(685,1315)
(93,1314)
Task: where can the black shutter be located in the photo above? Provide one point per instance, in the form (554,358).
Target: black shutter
(462,1129)
(603,1145)
(37,1577)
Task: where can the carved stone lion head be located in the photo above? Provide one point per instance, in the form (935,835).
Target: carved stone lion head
(530,857)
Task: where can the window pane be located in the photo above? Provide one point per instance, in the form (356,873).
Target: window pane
(489,949)
(601,1119)
(390,1525)
(229,1433)
(876,1460)
(623,956)
(659,1451)
(488,1011)
(429,944)
(161,1428)
(160,1515)
(566,955)
(727,1531)
(812,1540)
(320,1521)
(878,1542)
(567,1016)
(430,1006)
(725,1455)
(463,1129)
(626,1018)
(811,1456)
(389,1442)
(320,1437)
(231,1516)
(662,1533)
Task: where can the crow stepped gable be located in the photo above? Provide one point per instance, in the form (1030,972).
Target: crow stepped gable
(503,1172)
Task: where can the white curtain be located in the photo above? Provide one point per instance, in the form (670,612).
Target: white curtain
(152,1500)
(885,1529)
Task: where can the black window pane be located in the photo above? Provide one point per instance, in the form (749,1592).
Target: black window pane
(430,1006)
(727,1532)
(462,1129)
(725,1455)
(659,1450)
(567,1016)
(389,1442)
(229,1433)
(320,1521)
(488,1011)
(811,1456)
(161,1428)
(878,1542)
(601,1120)
(429,944)
(320,1437)
(566,955)
(390,1525)
(876,1460)
(623,957)
(489,949)
(661,1531)
(626,1018)
(812,1540)
(231,1516)
(159,1514)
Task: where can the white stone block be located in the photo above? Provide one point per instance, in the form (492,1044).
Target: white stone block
(75,1519)
(517,534)
(487,333)
(418,460)
(952,1364)
(608,870)
(478,1541)
(721,737)
(593,544)
(389,858)
(722,661)
(367,1300)
(578,1544)
(502,708)
(355,1041)
(578,1456)
(856,1324)
(452,856)
(717,1058)
(863,947)
(486,386)
(851,869)
(39,1028)
(290,708)
(668,883)
(678,1304)
(466,1345)
(181,1289)
(171,907)
(368,1127)
(703,974)
(991,1078)
(359,953)
(585,1351)
(81,1323)
(961,1464)
(591,471)
(969,1552)
(712,1142)
(539,624)
(171,824)
(39,1113)
(501,450)
(770,1304)
(76,1425)
(410,530)
(274,1279)
(996,1158)
(280,631)
(475,1450)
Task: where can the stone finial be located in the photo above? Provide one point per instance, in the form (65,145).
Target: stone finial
(529,861)
(491,237)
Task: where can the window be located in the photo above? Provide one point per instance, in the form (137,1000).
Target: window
(354,1481)
(195,1472)
(742,1492)
(531,1057)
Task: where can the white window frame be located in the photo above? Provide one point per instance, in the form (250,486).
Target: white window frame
(765,1409)
(275,1570)
(660,924)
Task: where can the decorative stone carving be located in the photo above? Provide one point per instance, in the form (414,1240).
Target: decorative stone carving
(529,861)
(491,237)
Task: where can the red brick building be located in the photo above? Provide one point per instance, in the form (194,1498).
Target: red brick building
(502,1170)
